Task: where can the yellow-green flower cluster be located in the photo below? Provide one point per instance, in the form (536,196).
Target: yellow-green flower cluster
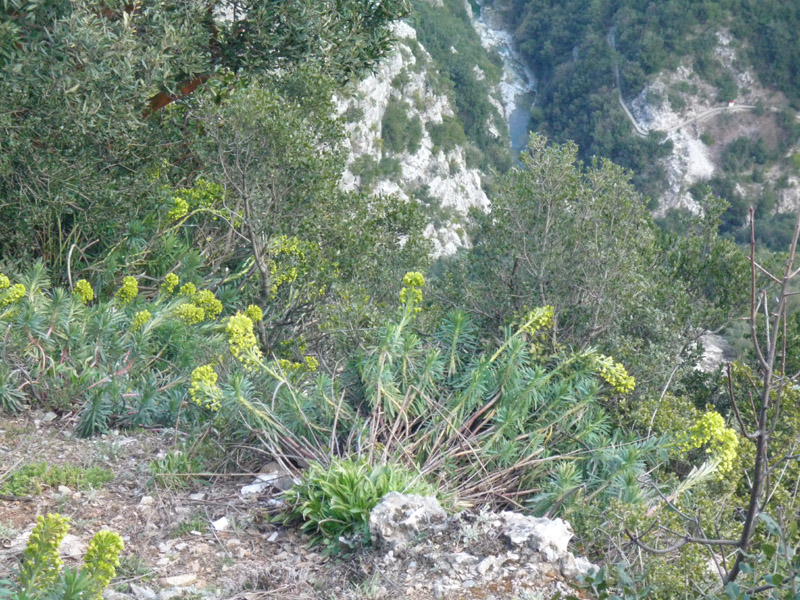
(615,374)
(203,194)
(102,559)
(720,441)
(41,561)
(205,299)
(289,249)
(171,281)
(13,294)
(4,281)
(128,291)
(540,317)
(242,340)
(203,388)
(290,262)
(180,208)
(411,294)
(190,314)
(84,291)
(139,319)
(309,365)
(188,289)
(254,313)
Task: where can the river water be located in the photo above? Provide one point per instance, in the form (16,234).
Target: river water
(518,84)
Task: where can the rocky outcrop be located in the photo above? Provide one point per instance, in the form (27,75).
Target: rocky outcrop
(441,178)
(684,107)
(472,555)
(398,521)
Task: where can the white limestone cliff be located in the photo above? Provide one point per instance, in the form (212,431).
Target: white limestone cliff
(443,177)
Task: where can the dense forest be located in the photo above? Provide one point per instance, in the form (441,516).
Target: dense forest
(175,251)
(575,49)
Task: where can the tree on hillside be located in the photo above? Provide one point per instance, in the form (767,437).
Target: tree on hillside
(757,502)
(581,239)
(276,150)
(80,155)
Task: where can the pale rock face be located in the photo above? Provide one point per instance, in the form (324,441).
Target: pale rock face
(789,198)
(446,241)
(444,176)
(550,537)
(691,160)
(716,350)
(525,555)
(399,519)
(689,163)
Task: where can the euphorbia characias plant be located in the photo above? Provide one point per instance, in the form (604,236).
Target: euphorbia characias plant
(41,573)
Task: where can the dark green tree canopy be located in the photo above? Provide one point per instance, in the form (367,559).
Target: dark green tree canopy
(79,82)
(580,238)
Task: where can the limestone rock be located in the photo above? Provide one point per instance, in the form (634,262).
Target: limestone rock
(142,593)
(179,580)
(272,476)
(399,520)
(442,176)
(463,555)
(550,537)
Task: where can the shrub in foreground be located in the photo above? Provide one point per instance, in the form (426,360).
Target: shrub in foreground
(333,502)
(40,575)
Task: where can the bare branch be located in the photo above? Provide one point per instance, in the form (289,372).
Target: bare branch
(753,308)
(677,546)
(732,398)
(763,270)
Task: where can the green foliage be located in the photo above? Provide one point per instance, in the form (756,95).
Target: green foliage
(727,90)
(11,394)
(195,523)
(707,138)
(612,583)
(580,238)
(176,470)
(773,567)
(333,501)
(41,564)
(720,441)
(104,360)
(399,132)
(534,250)
(102,559)
(30,480)
(769,27)
(370,171)
(448,134)
(743,153)
(41,577)
(278,152)
(72,168)
(569,46)
(461,409)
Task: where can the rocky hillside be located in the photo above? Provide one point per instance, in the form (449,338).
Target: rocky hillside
(190,539)
(702,128)
(683,95)
(406,139)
